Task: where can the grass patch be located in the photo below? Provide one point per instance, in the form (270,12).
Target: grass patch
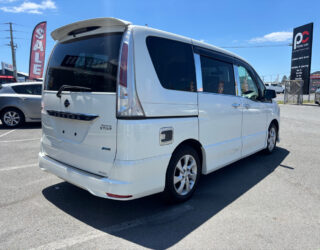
(304,102)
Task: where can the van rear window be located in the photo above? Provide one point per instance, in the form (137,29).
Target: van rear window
(173,62)
(88,62)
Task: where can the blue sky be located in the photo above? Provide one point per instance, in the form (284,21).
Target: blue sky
(221,23)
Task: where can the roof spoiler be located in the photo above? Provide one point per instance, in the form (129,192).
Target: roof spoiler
(77,27)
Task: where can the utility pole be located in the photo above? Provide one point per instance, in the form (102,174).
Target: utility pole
(13,52)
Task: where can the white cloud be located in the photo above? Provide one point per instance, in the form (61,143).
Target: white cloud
(30,7)
(281,36)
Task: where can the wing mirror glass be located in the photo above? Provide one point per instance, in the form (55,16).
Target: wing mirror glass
(269,94)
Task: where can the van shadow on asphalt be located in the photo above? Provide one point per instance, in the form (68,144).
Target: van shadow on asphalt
(150,222)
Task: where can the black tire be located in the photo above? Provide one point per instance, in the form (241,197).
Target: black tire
(271,143)
(17,118)
(181,155)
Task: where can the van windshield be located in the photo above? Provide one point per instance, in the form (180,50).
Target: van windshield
(90,62)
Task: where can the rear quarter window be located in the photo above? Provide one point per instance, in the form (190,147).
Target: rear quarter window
(173,62)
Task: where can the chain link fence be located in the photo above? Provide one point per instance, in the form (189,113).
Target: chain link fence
(293,92)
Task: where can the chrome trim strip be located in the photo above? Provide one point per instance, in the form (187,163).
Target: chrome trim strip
(73,116)
(197,64)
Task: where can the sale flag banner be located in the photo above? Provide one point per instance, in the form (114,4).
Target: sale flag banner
(37,51)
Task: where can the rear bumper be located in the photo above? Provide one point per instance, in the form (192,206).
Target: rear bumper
(135,181)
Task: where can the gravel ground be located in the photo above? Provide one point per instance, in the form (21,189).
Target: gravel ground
(260,202)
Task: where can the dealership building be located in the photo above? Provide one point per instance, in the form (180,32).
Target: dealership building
(314,81)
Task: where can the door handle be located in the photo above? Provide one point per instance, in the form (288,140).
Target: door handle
(247,106)
(236,105)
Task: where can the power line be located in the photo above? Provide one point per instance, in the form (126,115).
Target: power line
(257,46)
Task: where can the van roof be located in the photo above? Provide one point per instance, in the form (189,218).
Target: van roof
(63,31)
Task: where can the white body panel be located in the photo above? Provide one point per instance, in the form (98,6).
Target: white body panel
(254,126)
(220,129)
(128,159)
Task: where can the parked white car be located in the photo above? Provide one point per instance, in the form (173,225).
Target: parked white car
(130,111)
(276,87)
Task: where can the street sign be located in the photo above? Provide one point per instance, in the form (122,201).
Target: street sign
(301,55)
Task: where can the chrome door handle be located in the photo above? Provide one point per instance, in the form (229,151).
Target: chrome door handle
(236,105)
(247,105)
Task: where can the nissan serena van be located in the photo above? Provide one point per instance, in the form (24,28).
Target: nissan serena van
(130,111)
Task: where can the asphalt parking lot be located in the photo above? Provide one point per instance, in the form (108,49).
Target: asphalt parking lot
(263,201)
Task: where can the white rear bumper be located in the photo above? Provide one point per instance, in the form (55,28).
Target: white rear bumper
(140,178)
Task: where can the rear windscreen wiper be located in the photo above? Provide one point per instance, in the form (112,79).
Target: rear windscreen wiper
(70,87)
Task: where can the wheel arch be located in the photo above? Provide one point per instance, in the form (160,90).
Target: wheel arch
(276,123)
(12,107)
(198,147)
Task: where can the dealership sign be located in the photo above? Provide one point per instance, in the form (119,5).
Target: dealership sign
(301,55)
(37,51)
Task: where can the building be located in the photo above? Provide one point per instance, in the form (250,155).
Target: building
(314,81)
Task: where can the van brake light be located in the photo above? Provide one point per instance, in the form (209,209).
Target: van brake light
(128,103)
(124,65)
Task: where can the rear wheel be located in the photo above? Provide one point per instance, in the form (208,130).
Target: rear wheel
(12,117)
(272,139)
(183,174)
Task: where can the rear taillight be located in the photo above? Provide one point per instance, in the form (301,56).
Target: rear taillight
(42,106)
(128,104)
(124,65)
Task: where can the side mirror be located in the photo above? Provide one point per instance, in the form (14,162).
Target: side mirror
(269,94)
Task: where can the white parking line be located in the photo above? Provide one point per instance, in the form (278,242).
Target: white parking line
(22,140)
(7,133)
(157,218)
(18,167)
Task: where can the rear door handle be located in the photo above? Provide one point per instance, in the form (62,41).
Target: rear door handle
(236,105)
(247,105)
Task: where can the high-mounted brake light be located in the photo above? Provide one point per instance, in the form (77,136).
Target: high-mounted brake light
(128,104)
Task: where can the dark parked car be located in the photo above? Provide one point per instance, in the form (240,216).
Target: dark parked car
(19,103)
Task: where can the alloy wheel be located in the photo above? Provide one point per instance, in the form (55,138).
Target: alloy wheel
(11,118)
(272,138)
(185,175)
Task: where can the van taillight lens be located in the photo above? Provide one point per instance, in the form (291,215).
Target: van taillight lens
(124,66)
(128,103)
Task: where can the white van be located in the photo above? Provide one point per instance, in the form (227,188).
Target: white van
(130,111)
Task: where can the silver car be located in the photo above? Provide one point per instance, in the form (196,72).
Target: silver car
(20,102)
(317,96)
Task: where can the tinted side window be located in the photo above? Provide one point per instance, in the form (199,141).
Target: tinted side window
(37,89)
(173,62)
(248,86)
(28,89)
(217,76)
(19,89)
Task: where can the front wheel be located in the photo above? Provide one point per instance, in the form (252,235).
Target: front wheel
(272,139)
(183,174)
